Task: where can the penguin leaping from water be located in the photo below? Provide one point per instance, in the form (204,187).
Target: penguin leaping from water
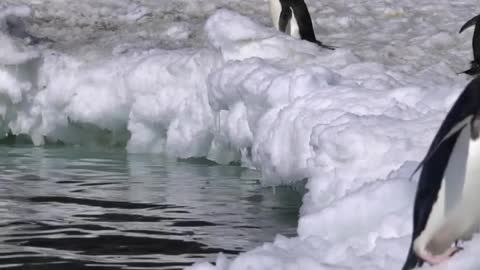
(475,64)
(447,202)
(299,25)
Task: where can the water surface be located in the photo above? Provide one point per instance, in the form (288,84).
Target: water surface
(75,208)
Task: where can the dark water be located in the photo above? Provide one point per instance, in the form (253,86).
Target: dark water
(71,208)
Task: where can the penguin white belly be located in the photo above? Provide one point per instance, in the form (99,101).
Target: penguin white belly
(456,213)
(293,25)
(275,10)
(468,210)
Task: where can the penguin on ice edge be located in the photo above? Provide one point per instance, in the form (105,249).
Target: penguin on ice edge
(299,25)
(475,64)
(447,205)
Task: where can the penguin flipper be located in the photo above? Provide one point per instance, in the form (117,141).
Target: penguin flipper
(455,130)
(469,23)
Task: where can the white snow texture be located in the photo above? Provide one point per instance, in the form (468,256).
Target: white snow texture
(214,79)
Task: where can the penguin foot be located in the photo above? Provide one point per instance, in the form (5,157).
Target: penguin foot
(329,47)
(436,259)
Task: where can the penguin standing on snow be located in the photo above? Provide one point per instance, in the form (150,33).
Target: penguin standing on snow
(475,64)
(447,202)
(299,25)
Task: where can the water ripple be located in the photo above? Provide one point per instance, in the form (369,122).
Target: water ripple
(68,208)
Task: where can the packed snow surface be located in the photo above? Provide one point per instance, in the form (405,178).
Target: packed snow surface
(214,79)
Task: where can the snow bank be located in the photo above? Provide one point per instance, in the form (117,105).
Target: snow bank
(17,67)
(354,121)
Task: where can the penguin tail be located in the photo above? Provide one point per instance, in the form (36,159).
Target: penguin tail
(412,260)
(329,47)
(469,23)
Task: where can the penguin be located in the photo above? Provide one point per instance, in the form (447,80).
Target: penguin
(475,64)
(447,205)
(299,25)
